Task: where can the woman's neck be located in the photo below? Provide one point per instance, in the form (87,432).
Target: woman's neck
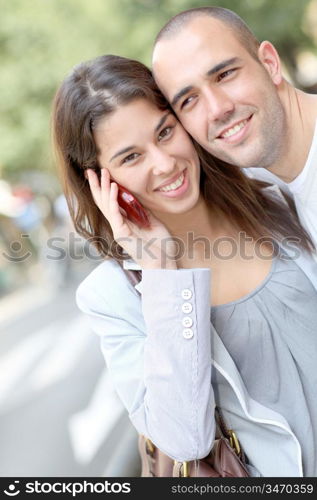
(196,230)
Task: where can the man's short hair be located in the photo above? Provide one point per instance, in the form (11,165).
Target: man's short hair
(226,16)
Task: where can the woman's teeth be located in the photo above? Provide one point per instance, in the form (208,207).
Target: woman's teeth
(234,129)
(174,185)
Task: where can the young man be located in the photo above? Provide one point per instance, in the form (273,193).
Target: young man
(228,91)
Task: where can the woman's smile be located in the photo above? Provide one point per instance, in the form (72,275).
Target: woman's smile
(177,188)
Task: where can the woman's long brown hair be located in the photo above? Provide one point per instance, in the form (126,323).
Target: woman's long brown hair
(95,89)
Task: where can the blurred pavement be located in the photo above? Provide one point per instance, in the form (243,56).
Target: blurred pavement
(59,415)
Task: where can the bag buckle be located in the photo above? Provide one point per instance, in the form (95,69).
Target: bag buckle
(183,469)
(234,442)
(150,446)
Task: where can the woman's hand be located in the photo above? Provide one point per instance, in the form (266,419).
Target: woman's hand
(151,248)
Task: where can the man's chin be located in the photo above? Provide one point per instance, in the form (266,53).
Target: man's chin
(241,161)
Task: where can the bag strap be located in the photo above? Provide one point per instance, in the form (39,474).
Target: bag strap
(228,433)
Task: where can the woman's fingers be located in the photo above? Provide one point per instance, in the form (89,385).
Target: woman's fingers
(123,212)
(100,189)
(93,179)
(94,184)
(105,195)
(105,180)
(113,195)
(114,207)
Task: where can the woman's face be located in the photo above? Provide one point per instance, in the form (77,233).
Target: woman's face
(145,149)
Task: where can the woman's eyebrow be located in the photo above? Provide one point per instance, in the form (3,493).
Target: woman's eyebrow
(121,152)
(162,121)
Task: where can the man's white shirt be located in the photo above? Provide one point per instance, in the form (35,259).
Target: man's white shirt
(303,188)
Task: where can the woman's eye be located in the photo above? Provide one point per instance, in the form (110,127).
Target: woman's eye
(166,132)
(130,158)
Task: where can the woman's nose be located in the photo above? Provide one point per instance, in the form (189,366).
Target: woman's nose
(162,162)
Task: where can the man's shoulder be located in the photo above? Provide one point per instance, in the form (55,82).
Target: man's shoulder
(262,174)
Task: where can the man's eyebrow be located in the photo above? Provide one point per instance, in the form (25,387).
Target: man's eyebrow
(129,148)
(121,152)
(180,94)
(222,65)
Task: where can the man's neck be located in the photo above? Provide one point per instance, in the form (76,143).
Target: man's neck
(301,116)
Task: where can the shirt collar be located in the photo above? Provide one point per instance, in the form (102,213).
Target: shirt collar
(133,266)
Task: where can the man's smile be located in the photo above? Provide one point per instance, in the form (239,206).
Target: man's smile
(233,133)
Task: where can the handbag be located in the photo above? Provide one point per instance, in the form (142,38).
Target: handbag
(226,458)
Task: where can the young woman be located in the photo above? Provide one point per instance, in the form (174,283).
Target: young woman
(227,313)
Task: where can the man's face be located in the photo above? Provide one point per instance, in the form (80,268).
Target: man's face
(225,98)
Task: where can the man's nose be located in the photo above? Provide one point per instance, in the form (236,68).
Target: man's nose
(218,104)
(162,162)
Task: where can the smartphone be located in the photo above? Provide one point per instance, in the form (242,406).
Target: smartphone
(135,211)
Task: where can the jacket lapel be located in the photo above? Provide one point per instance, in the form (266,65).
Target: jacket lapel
(263,425)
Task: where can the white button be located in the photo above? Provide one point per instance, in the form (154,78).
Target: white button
(186,293)
(187,321)
(188,333)
(187,307)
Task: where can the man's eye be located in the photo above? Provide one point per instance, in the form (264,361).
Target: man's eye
(130,158)
(165,132)
(187,101)
(226,73)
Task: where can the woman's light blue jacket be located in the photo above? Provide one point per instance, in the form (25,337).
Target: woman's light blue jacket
(170,376)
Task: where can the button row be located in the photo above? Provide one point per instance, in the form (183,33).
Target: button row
(187,308)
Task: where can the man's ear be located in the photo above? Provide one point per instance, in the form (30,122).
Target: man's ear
(270,59)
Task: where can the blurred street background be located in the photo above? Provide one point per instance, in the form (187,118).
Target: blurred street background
(59,415)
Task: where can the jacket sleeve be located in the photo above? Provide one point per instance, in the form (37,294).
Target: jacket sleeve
(160,360)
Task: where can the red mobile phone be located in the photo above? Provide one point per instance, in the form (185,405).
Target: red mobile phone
(134,209)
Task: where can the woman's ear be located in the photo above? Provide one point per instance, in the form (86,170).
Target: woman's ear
(270,59)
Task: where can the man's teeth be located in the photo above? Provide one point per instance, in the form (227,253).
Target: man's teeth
(235,129)
(174,185)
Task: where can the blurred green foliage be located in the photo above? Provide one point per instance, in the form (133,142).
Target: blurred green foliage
(40,41)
